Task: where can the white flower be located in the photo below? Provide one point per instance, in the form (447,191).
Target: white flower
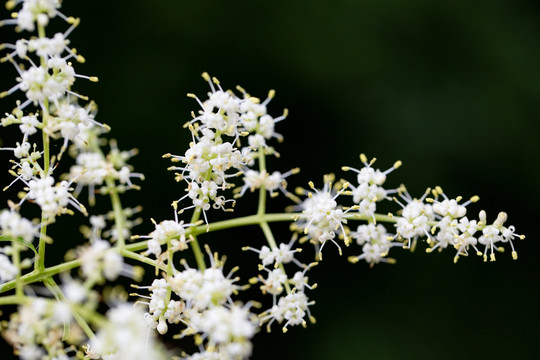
(61,313)
(48,47)
(283,254)
(113,264)
(466,226)
(203,288)
(253,179)
(31,352)
(52,198)
(36,11)
(300,280)
(158,310)
(372,253)
(22,150)
(91,168)
(28,125)
(167,230)
(370,232)
(256,141)
(273,283)
(14,225)
(414,221)
(376,244)
(228,325)
(75,291)
(32,82)
(8,271)
(322,219)
(449,207)
(126,336)
(292,308)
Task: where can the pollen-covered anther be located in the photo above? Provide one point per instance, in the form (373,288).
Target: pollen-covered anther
(206,76)
(10,5)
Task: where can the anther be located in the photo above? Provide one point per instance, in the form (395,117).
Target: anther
(10,5)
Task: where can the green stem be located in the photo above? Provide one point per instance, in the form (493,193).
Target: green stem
(36,275)
(170,264)
(255,220)
(199,256)
(169,273)
(13,300)
(261,212)
(141,258)
(262,190)
(17,264)
(82,323)
(93,317)
(247,220)
(59,295)
(40,260)
(118,211)
(272,242)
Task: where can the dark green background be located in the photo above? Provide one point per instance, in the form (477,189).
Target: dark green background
(449,87)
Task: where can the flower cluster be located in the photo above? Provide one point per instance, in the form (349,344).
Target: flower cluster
(441,221)
(51,113)
(125,337)
(216,154)
(203,304)
(370,188)
(457,231)
(290,304)
(39,328)
(167,231)
(13,225)
(322,218)
(46,82)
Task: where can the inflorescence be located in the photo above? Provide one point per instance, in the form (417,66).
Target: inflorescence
(204,303)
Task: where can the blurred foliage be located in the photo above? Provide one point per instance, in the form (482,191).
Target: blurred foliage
(449,87)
